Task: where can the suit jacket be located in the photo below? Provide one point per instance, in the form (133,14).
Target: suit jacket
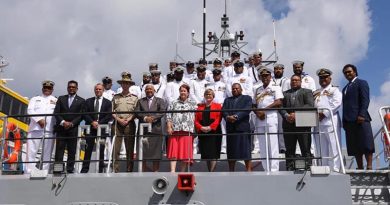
(89,106)
(356,101)
(302,98)
(214,116)
(240,102)
(62,108)
(158,104)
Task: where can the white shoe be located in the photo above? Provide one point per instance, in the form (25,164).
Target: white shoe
(255,151)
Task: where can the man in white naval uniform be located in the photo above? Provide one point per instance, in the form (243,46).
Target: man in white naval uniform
(209,74)
(328,96)
(172,90)
(228,71)
(252,71)
(41,126)
(268,96)
(190,72)
(159,86)
(239,77)
(281,81)
(108,92)
(307,81)
(252,115)
(219,88)
(198,86)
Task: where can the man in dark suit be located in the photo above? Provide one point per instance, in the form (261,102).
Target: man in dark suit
(152,144)
(296,97)
(237,127)
(66,125)
(356,119)
(101,105)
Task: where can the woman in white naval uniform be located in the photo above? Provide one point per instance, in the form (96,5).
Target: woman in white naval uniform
(268,96)
(330,97)
(41,126)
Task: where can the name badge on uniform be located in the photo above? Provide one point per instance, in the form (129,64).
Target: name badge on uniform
(242,80)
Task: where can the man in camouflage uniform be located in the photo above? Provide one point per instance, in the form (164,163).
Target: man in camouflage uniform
(124,122)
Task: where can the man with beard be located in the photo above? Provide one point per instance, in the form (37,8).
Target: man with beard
(198,86)
(282,82)
(190,73)
(307,81)
(239,77)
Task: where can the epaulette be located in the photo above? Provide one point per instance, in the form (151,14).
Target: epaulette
(336,86)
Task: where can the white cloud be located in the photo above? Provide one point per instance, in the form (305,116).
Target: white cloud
(86,40)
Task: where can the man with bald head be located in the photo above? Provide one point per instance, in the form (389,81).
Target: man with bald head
(100,106)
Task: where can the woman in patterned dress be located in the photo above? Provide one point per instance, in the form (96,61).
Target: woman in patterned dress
(180,126)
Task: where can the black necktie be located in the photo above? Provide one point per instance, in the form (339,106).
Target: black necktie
(96,109)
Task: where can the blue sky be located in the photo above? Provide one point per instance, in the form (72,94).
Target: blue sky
(375,67)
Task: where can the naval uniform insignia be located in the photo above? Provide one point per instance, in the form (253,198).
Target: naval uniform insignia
(242,80)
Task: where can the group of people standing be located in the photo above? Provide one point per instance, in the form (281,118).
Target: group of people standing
(230,100)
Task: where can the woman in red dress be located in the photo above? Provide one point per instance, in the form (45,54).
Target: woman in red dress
(180,127)
(207,124)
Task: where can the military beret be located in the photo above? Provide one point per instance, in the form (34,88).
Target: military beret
(298,62)
(47,83)
(324,72)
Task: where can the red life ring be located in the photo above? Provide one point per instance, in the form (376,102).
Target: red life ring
(12,157)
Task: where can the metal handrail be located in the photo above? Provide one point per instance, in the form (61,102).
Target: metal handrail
(266,133)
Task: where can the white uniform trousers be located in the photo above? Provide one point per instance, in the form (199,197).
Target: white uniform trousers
(33,147)
(223,129)
(255,140)
(326,147)
(273,145)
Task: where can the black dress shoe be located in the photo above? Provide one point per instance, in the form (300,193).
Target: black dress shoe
(84,171)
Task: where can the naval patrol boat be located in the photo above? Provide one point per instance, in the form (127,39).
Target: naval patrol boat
(306,186)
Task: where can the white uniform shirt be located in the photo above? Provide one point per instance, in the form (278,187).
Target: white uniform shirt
(307,82)
(219,89)
(229,72)
(108,94)
(134,90)
(197,88)
(257,85)
(172,92)
(188,77)
(159,88)
(264,97)
(244,80)
(41,105)
(282,82)
(329,97)
(252,72)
